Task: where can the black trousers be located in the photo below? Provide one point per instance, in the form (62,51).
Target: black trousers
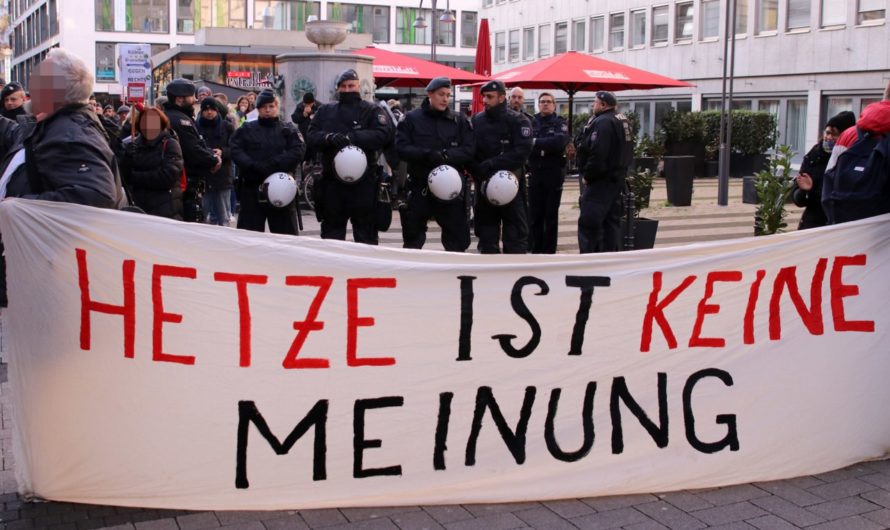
(253,215)
(544,195)
(511,221)
(599,225)
(344,203)
(450,216)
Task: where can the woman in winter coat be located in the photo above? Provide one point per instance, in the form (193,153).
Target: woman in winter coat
(807,188)
(216,130)
(151,167)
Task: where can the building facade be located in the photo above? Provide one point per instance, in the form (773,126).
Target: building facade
(92,28)
(803,60)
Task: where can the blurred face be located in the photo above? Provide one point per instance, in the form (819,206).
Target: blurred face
(243,105)
(184,101)
(439,98)
(251,97)
(547,105)
(14,100)
(209,114)
(109,113)
(350,85)
(150,123)
(831,134)
(269,110)
(517,100)
(492,99)
(202,95)
(48,87)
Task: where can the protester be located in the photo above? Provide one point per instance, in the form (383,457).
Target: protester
(228,113)
(428,137)
(807,187)
(348,121)
(260,148)
(198,158)
(547,170)
(13,98)
(75,163)
(302,117)
(217,131)
(109,113)
(607,150)
(123,112)
(242,108)
(396,108)
(152,164)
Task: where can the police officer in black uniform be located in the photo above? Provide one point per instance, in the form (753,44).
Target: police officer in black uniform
(429,137)
(196,156)
(349,121)
(503,142)
(260,148)
(547,172)
(605,152)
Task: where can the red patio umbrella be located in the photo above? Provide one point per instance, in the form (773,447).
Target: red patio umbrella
(403,71)
(574,72)
(483,63)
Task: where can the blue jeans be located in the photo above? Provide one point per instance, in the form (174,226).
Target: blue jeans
(218,206)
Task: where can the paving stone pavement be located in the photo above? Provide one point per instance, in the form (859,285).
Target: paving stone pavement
(855,497)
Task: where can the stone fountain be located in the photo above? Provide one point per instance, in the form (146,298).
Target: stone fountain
(316,72)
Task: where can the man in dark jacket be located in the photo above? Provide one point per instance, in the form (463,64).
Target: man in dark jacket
(260,148)
(606,150)
(349,121)
(547,165)
(198,158)
(217,131)
(503,140)
(63,155)
(428,137)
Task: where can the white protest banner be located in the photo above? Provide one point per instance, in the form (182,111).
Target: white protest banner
(158,363)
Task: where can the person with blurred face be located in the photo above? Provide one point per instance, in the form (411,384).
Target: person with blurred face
(259,149)
(152,164)
(348,121)
(432,136)
(217,132)
(503,139)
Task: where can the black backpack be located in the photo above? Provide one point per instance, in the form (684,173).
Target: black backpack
(857,186)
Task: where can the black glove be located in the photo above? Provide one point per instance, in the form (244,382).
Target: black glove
(337,140)
(484,169)
(435,158)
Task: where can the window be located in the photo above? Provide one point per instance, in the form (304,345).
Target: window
(561,40)
(578,37)
(514,46)
(637,29)
(616,31)
(528,40)
(710,19)
(798,14)
(741,17)
(544,41)
(870,11)
(406,33)
(834,13)
(499,47)
(469,30)
(597,33)
(767,16)
(137,16)
(369,19)
(106,59)
(683,24)
(487,3)
(192,15)
(795,131)
(659,25)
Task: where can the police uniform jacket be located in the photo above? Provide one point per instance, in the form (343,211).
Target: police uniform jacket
(503,141)
(197,156)
(366,125)
(551,137)
(603,148)
(427,138)
(265,146)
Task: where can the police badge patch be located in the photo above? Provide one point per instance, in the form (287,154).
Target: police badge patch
(526,132)
(565,128)
(186,122)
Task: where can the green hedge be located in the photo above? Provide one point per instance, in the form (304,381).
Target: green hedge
(753,133)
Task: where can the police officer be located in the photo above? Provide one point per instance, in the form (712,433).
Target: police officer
(260,148)
(517,102)
(348,121)
(196,156)
(428,137)
(547,166)
(606,151)
(503,142)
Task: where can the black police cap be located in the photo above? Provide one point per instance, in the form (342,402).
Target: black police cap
(180,88)
(437,83)
(494,86)
(607,97)
(10,88)
(347,75)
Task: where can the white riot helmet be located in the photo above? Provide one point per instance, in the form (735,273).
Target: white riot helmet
(501,188)
(279,189)
(350,164)
(445,183)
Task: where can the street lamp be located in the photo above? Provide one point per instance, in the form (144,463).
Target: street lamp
(420,23)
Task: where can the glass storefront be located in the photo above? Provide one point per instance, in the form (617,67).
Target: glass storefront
(241,72)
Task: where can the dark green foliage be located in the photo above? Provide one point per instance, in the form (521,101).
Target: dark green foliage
(773,187)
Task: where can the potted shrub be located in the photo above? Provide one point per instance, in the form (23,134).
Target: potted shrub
(753,134)
(684,135)
(648,152)
(644,230)
(773,188)
(712,142)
